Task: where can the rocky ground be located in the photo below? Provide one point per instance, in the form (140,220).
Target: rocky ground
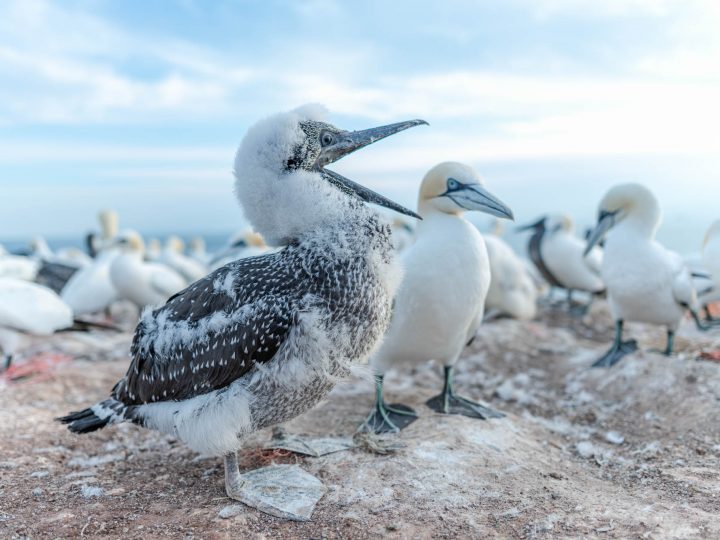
(633,451)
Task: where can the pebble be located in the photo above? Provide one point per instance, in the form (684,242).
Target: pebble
(230,511)
(39,474)
(37,492)
(585,449)
(614,437)
(7,464)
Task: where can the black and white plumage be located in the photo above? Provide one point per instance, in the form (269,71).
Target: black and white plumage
(263,339)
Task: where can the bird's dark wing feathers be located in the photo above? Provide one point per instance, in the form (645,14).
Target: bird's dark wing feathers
(224,324)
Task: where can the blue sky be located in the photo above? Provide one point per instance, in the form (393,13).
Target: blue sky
(139,105)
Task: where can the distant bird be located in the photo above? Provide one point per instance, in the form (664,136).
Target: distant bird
(18,267)
(711,261)
(512,292)
(109,228)
(558,255)
(403,234)
(645,281)
(90,289)
(197,251)
(174,257)
(439,306)
(263,339)
(142,283)
(28,308)
(246,243)
(153,251)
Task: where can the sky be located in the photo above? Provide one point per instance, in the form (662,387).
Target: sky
(140,105)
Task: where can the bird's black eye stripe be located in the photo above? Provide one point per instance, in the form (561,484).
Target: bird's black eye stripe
(605,213)
(453,185)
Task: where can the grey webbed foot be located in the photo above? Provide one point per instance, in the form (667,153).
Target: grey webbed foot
(452,404)
(616,353)
(389,418)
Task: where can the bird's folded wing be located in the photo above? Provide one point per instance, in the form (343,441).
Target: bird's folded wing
(209,334)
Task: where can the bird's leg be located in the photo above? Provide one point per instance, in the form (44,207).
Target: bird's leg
(700,325)
(449,403)
(233,480)
(386,418)
(618,349)
(670,342)
(579,309)
(708,315)
(8,361)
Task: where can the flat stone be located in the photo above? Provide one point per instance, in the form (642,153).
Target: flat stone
(309,446)
(284,491)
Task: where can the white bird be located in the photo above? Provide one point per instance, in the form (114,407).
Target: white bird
(28,308)
(512,289)
(90,289)
(142,283)
(109,228)
(645,281)
(198,252)
(266,338)
(153,251)
(174,257)
(18,267)
(558,255)
(711,262)
(439,306)
(241,245)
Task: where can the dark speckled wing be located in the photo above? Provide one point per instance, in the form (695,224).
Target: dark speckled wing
(213,332)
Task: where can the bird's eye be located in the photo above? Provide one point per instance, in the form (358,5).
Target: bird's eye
(327,138)
(452,184)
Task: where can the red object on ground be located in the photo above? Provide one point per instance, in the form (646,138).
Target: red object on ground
(713,356)
(39,365)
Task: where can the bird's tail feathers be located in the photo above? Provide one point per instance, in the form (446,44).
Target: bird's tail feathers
(96,417)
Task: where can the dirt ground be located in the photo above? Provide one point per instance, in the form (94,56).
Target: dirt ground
(629,452)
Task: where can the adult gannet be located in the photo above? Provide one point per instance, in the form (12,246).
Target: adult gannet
(142,283)
(711,262)
(18,267)
(558,255)
(28,308)
(440,303)
(90,289)
(246,243)
(197,251)
(512,290)
(263,339)
(174,257)
(645,282)
(109,228)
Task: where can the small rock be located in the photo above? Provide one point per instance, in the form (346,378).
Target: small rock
(614,437)
(230,511)
(91,491)
(37,492)
(39,474)
(585,449)
(7,464)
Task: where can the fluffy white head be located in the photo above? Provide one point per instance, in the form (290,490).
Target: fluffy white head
(284,203)
(634,204)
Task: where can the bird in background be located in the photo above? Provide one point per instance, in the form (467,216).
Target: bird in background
(173,256)
(711,262)
(560,258)
(263,339)
(645,281)
(440,303)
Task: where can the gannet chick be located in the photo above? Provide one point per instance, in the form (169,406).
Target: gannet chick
(263,339)
(440,303)
(645,282)
(174,257)
(512,290)
(142,283)
(28,308)
(558,255)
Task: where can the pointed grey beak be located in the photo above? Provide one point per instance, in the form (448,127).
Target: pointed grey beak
(475,197)
(606,220)
(367,195)
(349,141)
(532,226)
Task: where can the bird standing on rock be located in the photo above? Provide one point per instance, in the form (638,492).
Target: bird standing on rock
(645,281)
(263,339)
(440,303)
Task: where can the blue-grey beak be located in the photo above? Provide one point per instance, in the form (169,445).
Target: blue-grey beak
(606,220)
(477,198)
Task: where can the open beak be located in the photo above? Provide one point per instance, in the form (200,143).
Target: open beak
(348,142)
(531,226)
(606,220)
(475,197)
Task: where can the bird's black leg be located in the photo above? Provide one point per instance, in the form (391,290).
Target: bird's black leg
(670,342)
(387,418)
(708,315)
(448,403)
(8,361)
(700,325)
(619,348)
(578,308)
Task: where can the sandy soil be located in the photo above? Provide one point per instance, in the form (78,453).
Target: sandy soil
(633,451)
